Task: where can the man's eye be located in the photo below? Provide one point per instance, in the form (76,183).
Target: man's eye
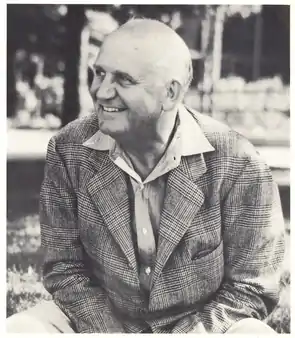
(125,80)
(99,73)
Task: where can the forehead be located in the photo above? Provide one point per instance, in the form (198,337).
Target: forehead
(128,54)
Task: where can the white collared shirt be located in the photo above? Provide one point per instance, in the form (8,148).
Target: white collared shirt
(147,196)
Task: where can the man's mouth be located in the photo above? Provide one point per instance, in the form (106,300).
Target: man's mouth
(112,109)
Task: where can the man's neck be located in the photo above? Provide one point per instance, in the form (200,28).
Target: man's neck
(145,150)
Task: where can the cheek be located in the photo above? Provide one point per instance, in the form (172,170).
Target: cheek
(139,100)
(94,87)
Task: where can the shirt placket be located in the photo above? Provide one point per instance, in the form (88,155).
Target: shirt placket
(145,236)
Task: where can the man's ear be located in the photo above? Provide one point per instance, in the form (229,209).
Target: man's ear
(173,95)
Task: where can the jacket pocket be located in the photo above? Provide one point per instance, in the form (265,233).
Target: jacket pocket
(208,254)
(209,271)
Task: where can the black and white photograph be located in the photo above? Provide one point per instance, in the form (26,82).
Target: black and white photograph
(148,168)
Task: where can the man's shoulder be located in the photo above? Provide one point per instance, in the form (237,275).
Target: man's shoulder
(225,140)
(78,131)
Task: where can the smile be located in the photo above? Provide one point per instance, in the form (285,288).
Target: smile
(112,110)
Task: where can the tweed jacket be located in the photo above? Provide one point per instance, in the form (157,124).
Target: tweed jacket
(220,243)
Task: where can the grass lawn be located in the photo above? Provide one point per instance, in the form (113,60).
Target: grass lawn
(24,285)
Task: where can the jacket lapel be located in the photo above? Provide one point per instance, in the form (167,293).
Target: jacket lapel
(182,201)
(109,192)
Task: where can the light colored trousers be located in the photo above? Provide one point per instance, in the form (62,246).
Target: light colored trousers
(46,317)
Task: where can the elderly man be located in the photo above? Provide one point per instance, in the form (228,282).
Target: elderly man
(154,218)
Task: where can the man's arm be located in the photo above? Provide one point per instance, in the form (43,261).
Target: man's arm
(253,235)
(66,276)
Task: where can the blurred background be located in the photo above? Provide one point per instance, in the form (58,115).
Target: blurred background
(241,61)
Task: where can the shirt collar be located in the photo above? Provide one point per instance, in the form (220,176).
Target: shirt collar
(193,140)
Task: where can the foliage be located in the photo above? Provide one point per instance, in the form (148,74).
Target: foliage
(24,260)
(36,28)
(256,109)
(40,106)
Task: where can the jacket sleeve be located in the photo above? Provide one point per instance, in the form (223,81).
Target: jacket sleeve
(65,272)
(253,236)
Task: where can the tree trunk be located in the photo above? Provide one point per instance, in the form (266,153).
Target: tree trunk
(11,91)
(74,25)
(217,43)
(207,39)
(257,48)
(11,49)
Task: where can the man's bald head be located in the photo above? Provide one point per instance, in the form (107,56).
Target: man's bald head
(160,45)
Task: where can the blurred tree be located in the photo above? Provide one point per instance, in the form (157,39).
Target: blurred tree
(11,90)
(214,20)
(74,22)
(37,29)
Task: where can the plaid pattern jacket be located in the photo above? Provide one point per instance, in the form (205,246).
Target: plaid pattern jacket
(220,245)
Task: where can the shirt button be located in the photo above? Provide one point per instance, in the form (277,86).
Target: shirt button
(144,230)
(147,270)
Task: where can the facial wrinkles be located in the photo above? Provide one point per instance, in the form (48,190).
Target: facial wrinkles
(139,55)
(162,46)
(134,60)
(143,61)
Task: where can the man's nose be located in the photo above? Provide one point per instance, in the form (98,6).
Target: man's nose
(103,89)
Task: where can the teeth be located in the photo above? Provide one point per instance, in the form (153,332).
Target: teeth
(110,110)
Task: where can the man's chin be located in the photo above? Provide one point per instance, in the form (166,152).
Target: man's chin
(109,128)
(104,126)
